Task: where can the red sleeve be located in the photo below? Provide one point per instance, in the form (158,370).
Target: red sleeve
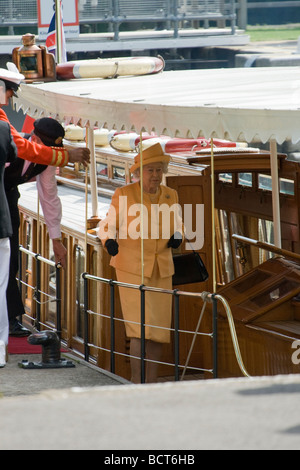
(36,153)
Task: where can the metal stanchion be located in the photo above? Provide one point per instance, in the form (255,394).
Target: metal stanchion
(142,333)
(112,327)
(215,336)
(176,334)
(38,292)
(86,318)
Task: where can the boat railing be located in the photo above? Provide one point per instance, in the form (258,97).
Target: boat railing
(40,297)
(176,293)
(267,247)
(37,292)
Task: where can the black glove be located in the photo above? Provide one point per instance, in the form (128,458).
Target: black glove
(175,240)
(112,247)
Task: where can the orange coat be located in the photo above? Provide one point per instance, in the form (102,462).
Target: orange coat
(36,153)
(155,248)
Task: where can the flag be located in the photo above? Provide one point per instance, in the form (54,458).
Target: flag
(51,38)
(28,124)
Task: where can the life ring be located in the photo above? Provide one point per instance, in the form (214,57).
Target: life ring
(76,133)
(129,142)
(126,142)
(109,68)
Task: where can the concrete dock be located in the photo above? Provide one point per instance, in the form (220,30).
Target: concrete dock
(84,408)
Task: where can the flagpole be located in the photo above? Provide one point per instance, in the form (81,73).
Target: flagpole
(58,27)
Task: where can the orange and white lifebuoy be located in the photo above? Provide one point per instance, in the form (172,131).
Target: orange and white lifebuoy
(109,68)
(126,142)
(76,133)
(129,142)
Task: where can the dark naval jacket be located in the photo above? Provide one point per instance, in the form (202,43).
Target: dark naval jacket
(8,153)
(12,178)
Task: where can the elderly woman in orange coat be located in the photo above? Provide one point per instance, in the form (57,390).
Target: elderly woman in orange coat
(120,233)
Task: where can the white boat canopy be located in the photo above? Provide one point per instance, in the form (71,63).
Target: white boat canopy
(241,104)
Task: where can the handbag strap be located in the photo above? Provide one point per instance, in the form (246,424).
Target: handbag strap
(191,245)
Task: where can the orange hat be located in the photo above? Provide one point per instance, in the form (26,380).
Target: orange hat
(152,154)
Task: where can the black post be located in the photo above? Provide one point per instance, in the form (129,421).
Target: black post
(86,317)
(38,292)
(142,334)
(58,302)
(20,277)
(176,334)
(215,337)
(112,326)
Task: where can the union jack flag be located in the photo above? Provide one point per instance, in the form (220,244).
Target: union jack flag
(51,38)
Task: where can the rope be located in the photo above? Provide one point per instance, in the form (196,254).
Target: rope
(206,296)
(233,335)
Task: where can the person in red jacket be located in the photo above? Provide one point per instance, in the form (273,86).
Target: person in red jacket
(32,151)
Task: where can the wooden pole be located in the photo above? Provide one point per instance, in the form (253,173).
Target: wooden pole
(213,248)
(86,211)
(266,247)
(275,193)
(93,172)
(142,211)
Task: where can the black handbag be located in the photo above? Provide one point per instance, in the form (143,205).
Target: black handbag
(189,268)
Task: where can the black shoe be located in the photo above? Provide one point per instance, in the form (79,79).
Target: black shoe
(16,329)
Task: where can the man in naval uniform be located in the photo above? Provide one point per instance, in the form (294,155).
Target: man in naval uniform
(8,153)
(30,150)
(49,132)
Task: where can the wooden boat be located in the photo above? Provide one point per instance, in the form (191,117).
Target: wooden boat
(251,230)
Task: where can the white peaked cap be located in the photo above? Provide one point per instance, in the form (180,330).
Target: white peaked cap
(11,75)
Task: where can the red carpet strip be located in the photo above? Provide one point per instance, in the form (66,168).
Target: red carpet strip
(21,346)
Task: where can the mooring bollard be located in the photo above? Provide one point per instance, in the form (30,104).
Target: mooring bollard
(50,342)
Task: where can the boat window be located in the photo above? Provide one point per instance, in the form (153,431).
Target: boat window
(101,169)
(265,182)
(79,294)
(224,248)
(237,257)
(93,299)
(286,186)
(26,242)
(245,179)
(225,177)
(50,311)
(118,173)
(265,235)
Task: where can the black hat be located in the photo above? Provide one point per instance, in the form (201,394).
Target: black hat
(10,85)
(50,131)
